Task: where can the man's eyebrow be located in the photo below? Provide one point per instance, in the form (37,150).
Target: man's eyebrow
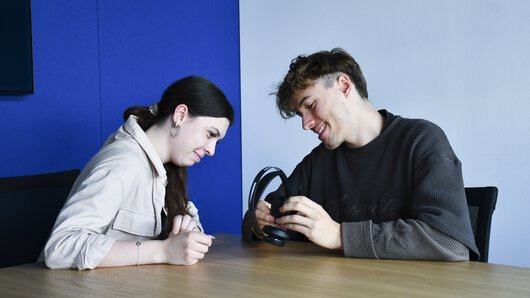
(302,101)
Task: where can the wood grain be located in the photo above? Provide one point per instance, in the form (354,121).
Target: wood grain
(233,268)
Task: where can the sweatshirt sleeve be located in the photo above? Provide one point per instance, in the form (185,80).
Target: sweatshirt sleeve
(400,239)
(77,239)
(439,227)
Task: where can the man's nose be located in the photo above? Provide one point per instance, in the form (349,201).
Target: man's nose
(307,122)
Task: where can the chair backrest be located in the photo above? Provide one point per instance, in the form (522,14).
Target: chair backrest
(481,202)
(30,205)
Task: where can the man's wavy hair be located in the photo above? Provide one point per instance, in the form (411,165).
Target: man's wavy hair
(305,71)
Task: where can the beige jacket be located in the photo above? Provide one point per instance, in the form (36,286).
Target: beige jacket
(118,196)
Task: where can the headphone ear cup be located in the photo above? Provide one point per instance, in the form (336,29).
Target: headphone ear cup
(276,236)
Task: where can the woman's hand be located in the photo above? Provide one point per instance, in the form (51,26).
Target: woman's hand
(186,244)
(186,247)
(183,223)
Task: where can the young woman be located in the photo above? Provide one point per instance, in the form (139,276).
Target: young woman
(129,205)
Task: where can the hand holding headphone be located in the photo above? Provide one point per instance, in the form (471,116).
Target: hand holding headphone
(269,234)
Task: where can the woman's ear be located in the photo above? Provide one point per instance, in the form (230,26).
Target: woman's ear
(181,112)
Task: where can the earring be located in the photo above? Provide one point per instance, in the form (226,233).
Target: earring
(174,130)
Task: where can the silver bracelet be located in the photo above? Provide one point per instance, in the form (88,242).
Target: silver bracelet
(138,243)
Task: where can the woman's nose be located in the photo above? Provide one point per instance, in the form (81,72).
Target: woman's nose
(210,148)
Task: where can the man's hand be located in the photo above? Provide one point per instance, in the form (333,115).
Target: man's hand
(263,215)
(312,221)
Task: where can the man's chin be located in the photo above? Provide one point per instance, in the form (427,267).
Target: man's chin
(331,146)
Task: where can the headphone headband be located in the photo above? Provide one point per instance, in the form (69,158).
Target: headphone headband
(260,183)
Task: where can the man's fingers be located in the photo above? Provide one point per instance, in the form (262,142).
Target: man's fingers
(303,206)
(264,207)
(295,219)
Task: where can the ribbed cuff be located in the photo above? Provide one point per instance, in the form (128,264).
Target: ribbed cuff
(357,240)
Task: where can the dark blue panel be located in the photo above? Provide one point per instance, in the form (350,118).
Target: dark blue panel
(16,59)
(59,126)
(144,46)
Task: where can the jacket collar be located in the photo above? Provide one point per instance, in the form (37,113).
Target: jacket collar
(137,133)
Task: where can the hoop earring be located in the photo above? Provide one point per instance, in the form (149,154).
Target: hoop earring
(174,130)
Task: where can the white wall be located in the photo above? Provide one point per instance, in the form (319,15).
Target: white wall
(464,65)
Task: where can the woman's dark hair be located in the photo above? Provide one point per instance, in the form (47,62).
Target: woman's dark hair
(304,71)
(202,98)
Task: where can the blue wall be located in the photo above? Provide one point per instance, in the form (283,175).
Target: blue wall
(92,59)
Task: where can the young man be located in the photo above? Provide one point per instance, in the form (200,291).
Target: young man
(379,185)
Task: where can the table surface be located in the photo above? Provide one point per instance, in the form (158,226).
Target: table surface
(233,268)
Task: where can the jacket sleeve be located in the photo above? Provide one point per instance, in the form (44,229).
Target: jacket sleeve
(194,213)
(77,239)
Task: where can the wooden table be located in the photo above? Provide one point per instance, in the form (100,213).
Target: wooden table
(233,268)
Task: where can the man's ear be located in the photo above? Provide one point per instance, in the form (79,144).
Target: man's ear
(181,112)
(345,84)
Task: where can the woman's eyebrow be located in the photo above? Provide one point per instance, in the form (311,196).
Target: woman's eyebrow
(216,131)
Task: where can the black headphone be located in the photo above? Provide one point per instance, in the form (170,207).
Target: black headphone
(270,234)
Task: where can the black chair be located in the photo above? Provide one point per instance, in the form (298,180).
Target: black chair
(481,203)
(30,205)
